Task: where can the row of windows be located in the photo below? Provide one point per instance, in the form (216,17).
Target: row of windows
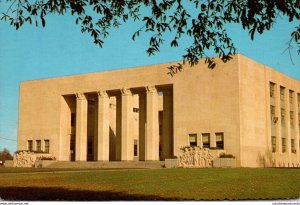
(206,140)
(282,95)
(282,115)
(283,145)
(38,146)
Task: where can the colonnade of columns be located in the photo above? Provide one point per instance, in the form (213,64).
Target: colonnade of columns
(148,125)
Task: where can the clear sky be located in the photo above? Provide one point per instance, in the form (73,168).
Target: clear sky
(61,49)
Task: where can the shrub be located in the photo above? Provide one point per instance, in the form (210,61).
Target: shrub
(224,155)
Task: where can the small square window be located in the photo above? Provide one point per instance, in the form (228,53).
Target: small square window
(193,140)
(206,140)
(220,140)
(30,145)
(38,145)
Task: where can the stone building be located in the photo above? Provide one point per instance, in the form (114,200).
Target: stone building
(241,107)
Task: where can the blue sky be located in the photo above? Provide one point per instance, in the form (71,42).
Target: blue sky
(61,49)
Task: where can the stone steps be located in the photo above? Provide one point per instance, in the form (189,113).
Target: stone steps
(112,165)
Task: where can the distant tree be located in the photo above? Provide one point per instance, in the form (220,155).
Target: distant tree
(5,155)
(202,20)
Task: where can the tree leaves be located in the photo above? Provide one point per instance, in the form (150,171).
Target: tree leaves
(202,21)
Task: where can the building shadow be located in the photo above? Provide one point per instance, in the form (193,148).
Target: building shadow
(63,194)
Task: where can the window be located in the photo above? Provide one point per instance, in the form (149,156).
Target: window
(291,97)
(206,140)
(299,100)
(30,145)
(135,148)
(282,94)
(272,89)
(282,116)
(283,140)
(272,111)
(193,140)
(273,138)
(135,109)
(38,145)
(292,118)
(293,150)
(73,119)
(220,140)
(47,146)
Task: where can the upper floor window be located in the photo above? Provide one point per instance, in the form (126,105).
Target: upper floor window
(135,109)
(272,89)
(282,116)
(292,118)
(282,93)
(291,98)
(272,111)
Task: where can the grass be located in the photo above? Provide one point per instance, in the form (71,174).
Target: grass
(158,184)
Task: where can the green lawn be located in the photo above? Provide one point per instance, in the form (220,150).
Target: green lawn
(158,184)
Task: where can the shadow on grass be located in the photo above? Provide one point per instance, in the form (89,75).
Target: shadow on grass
(62,194)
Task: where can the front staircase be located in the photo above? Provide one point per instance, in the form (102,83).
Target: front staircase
(105,165)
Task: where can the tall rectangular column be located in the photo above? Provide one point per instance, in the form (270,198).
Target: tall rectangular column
(288,122)
(152,132)
(278,121)
(95,144)
(167,134)
(103,126)
(81,127)
(118,127)
(127,126)
(142,126)
(296,121)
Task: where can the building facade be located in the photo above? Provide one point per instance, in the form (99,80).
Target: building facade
(241,107)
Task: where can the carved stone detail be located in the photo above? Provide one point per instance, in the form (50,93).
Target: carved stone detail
(196,157)
(80,96)
(126,91)
(151,89)
(102,93)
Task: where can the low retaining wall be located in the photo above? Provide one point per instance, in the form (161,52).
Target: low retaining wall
(171,163)
(8,163)
(224,162)
(43,163)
